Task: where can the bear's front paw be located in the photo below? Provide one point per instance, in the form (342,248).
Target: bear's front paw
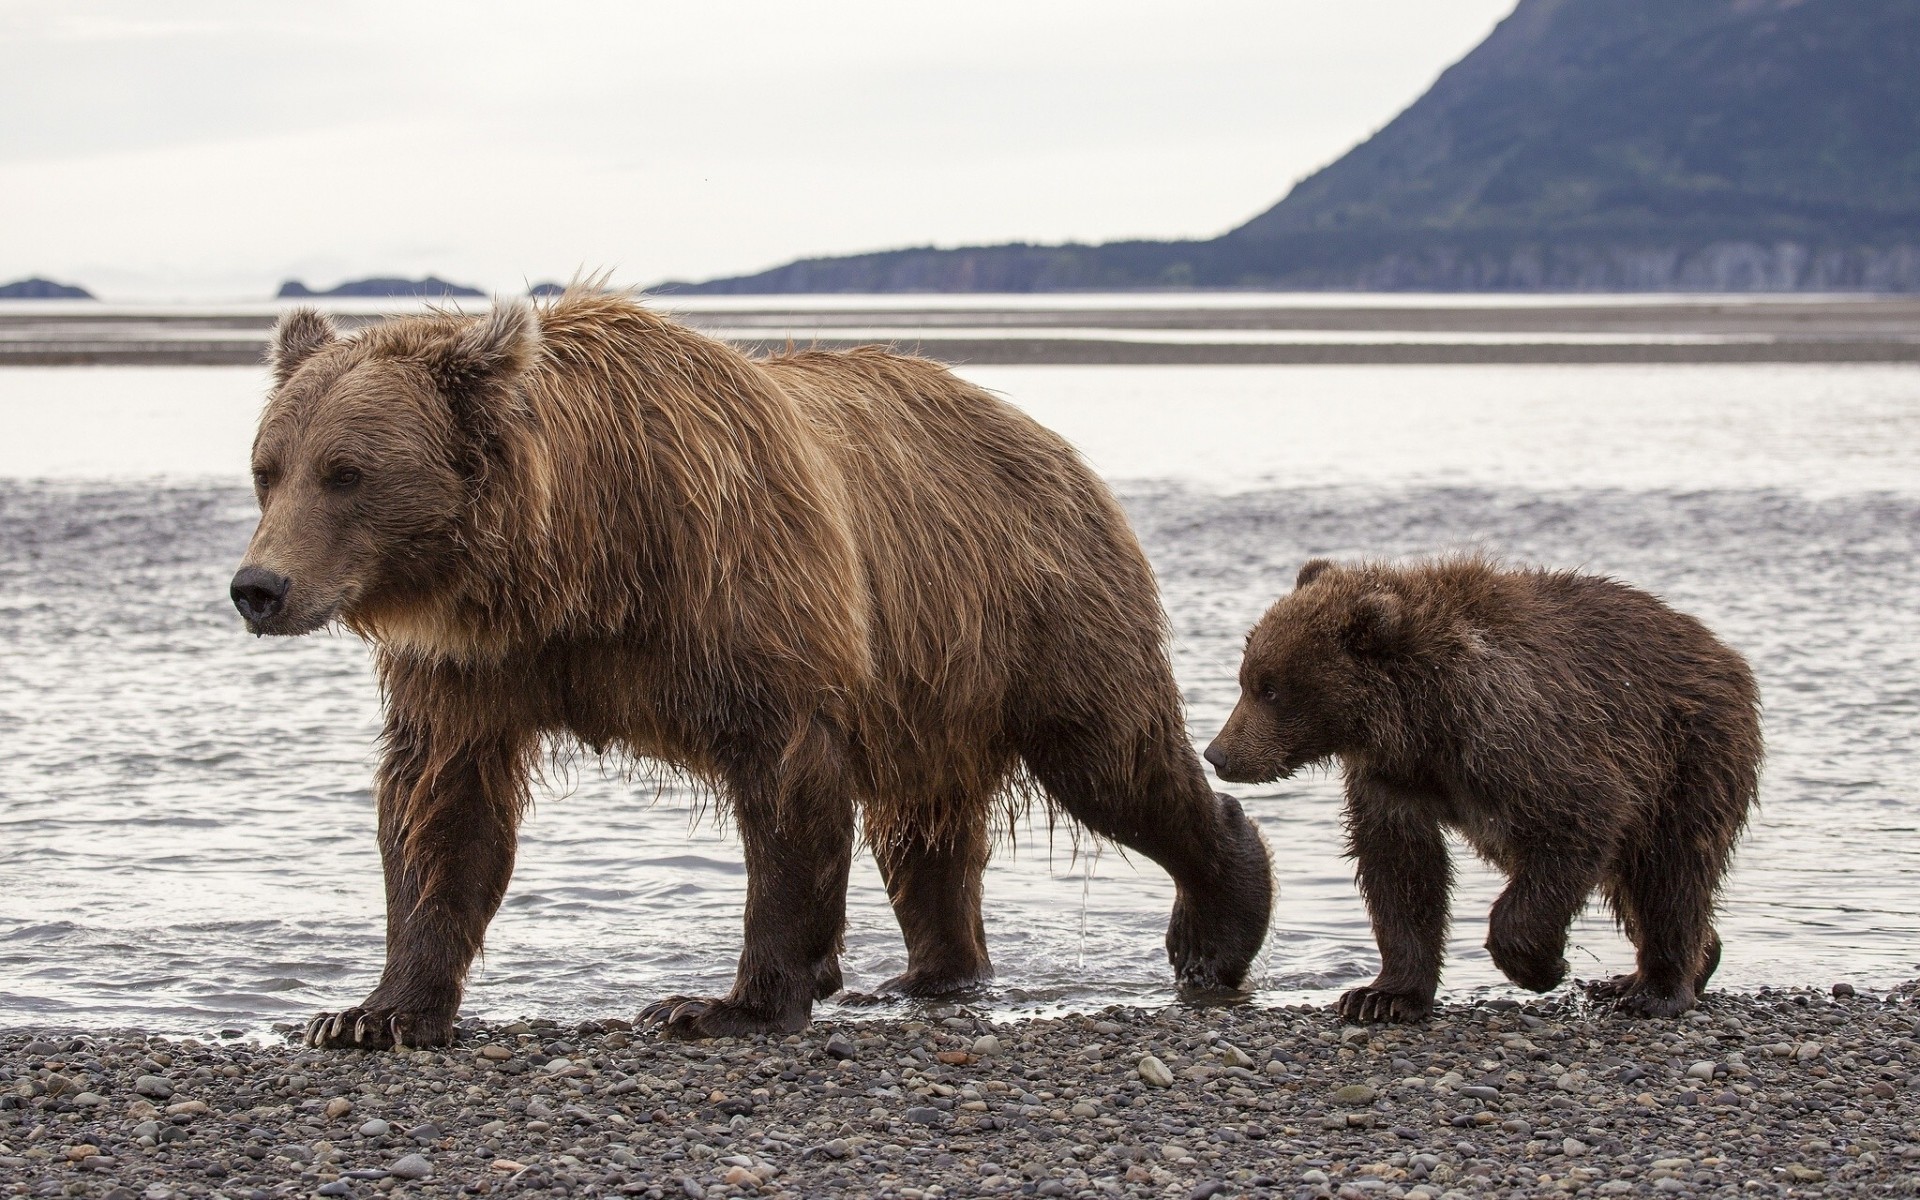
(1364,1005)
(378,1028)
(1632,995)
(699,1017)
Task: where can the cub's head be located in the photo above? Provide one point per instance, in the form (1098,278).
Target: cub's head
(1312,680)
(366,459)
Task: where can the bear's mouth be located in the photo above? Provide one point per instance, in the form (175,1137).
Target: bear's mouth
(291,624)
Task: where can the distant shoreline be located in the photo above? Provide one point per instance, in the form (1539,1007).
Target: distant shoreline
(1020,330)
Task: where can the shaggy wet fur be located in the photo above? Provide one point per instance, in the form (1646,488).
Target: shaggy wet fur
(818,583)
(1580,734)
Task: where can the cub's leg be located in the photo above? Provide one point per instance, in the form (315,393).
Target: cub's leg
(1667,882)
(1147,791)
(1668,915)
(935,889)
(1406,877)
(1549,881)
(449,817)
(796,822)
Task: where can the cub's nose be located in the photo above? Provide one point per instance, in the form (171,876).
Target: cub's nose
(1218,757)
(258,593)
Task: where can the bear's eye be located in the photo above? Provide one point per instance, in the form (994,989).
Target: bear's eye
(1269,692)
(262,478)
(343,478)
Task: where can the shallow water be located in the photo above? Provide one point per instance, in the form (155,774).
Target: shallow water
(185,817)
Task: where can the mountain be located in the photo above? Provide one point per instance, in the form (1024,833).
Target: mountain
(42,289)
(1715,145)
(430,286)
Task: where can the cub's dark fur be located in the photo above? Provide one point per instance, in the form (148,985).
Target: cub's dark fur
(1579,733)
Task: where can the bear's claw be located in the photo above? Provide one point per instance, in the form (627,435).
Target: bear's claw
(377,1029)
(1364,1005)
(702,1017)
(1631,995)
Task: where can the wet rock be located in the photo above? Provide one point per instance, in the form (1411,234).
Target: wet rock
(841,1047)
(154,1087)
(1155,1072)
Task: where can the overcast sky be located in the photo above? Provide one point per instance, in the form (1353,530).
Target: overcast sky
(212,149)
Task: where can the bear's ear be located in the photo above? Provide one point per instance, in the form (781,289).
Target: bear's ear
(1377,625)
(300,334)
(493,350)
(1311,570)
(473,368)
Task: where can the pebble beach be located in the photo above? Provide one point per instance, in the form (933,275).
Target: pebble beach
(1773,1093)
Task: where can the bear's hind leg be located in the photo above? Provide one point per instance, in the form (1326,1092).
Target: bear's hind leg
(1668,917)
(935,889)
(1527,929)
(1150,794)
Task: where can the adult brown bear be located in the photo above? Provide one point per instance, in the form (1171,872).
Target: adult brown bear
(1577,732)
(818,582)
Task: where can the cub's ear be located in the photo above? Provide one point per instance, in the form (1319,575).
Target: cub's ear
(491,351)
(1311,570)
(300,334)
(1377,625)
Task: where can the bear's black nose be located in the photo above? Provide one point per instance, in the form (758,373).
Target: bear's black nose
(258,593)
(1217,756)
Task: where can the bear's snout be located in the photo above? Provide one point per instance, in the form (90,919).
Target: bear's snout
(1223,765)
(259,594)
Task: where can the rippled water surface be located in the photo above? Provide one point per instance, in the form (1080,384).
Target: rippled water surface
(185,818)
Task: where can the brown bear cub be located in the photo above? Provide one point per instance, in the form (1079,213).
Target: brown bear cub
(1578,733)
(821,584)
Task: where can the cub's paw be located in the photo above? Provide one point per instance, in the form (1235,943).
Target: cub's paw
(1630,994)
(379,1028)
(1531,969)
(692,1017)
(1613,989)
(1365,1005)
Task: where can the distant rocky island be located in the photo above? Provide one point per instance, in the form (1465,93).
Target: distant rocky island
(1585,145)
(42,289)
(293,289)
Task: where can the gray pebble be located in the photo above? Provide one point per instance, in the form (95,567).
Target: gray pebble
(375,1128)
(411,1166)
(154,1087)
